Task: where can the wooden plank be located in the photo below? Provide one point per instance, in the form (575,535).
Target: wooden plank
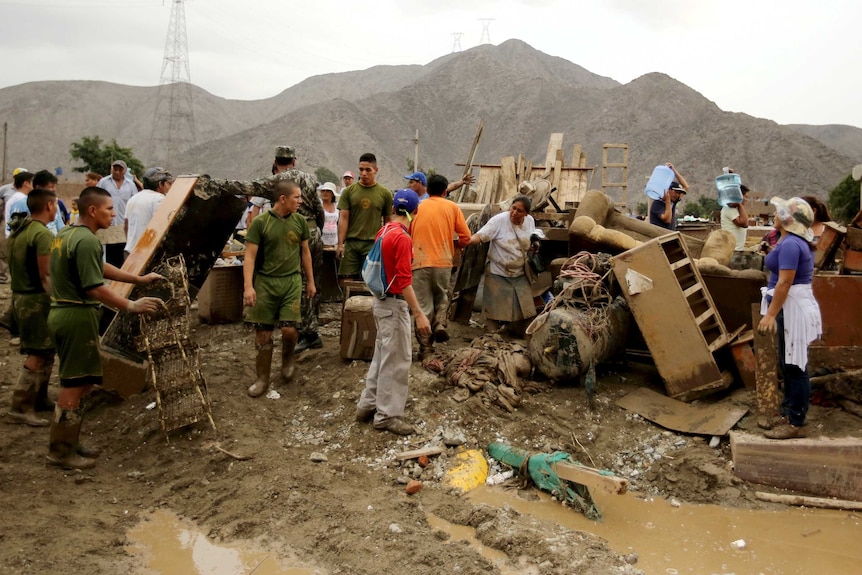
(576,156)
(766,376)
(712,419)
(591,478)
(519,170)
(414,453)
(823,467)
(805,501)
(508,178)
(554,143)
(468,166)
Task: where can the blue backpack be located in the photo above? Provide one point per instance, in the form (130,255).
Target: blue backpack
(373,272)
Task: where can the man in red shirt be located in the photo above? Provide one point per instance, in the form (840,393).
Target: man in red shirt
(385,393)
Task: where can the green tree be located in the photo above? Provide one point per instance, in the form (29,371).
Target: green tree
(702,208)
(844,200)
(324,175)
(641,209)
(98,158)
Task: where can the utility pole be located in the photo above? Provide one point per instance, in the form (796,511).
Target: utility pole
(5,133)
(174,119)
(416,152)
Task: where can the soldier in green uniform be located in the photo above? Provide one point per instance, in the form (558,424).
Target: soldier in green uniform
(29,262)
(363,209)
(77,278)
(311,208)
(275,246)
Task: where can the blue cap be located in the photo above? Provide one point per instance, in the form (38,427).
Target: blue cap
(406,200)
(419,176)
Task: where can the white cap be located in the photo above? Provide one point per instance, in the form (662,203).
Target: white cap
(327,186)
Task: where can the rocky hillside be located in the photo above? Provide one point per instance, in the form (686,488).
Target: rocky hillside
(521,94)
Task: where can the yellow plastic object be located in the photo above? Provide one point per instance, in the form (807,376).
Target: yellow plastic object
(468,470)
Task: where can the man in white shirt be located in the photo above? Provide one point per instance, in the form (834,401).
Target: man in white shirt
(121,190)
(734,219)
(143,205)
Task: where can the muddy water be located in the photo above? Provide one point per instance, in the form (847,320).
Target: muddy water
(170,546)
(700,538)
(468,534)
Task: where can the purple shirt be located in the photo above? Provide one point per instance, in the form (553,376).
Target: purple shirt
(791,253)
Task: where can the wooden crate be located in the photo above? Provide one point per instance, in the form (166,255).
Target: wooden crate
(675,313)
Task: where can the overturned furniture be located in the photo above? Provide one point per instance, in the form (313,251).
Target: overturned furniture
(676,315)
(194,220)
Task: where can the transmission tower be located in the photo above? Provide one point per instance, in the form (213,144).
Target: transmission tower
(174,121)
(456,45)
(486,34)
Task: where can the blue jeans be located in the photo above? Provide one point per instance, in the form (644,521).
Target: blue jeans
(797,386)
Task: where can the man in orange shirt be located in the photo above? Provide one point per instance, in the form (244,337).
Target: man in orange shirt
(434,228)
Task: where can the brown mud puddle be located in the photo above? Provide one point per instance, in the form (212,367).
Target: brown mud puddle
(701,539)
(169,545)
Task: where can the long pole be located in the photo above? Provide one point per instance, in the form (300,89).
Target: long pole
(5,132)
(416,152)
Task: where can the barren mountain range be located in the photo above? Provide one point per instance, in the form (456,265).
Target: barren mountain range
(522,94)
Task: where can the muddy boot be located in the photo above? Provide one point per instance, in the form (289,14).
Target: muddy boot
(65,431)
(23,408)
(288,362)
(263,365)
(426,346)
(440,333)
(43,403)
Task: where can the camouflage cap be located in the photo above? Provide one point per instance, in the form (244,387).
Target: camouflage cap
(285,152)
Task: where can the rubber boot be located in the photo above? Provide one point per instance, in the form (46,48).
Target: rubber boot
(288,362)
(263,365)
(23,408)
(43,403)
(426,346)
(65,431)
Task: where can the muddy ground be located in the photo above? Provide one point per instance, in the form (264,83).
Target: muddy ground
(337,514)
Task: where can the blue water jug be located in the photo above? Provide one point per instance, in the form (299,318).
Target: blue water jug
(729,190)
(659,182)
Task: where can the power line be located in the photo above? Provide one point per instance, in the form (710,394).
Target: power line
(174,117)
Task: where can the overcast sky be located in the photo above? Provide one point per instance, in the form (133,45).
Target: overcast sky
(786,60)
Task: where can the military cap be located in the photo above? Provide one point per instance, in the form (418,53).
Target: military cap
(285,152)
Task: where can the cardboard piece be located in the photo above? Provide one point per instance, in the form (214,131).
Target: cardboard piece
(715,419)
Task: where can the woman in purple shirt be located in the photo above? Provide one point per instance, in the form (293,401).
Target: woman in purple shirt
(788,307)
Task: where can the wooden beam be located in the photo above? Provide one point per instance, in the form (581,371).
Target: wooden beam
(766,375)
(822,467)
(591,478)
(468,166)
(508,178)
(414,453)
(554,143)
(805,501)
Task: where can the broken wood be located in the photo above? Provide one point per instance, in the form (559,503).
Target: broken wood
(217,447)
(766,374)
(850,377)
(468,167)
(714,419)
(806,501)
(590,477)
(416,453)
(822,467)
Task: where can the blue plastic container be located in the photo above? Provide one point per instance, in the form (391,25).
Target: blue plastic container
(659,182)
(729,190)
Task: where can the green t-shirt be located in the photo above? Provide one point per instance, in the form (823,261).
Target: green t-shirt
(76,266)
(24,248)
(366,207)
(278,242)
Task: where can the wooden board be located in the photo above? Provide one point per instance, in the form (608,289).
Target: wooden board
(554,143)
(819,466)
(766,374)
(714,419)
(508,178)
(590,478)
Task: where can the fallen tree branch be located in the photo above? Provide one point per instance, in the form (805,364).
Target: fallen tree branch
(806,501)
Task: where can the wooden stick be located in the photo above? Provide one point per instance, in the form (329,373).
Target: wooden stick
(414,453)
(590,477)
(218,447)
(806,501)
(468,166)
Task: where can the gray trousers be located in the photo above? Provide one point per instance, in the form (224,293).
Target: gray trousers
(386,381)
(432,290)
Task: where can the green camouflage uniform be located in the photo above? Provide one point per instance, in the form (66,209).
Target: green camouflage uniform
(312,210)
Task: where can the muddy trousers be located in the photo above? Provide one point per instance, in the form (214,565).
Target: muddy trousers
(387,378)
(797,385)
(310,307)
(431,286)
